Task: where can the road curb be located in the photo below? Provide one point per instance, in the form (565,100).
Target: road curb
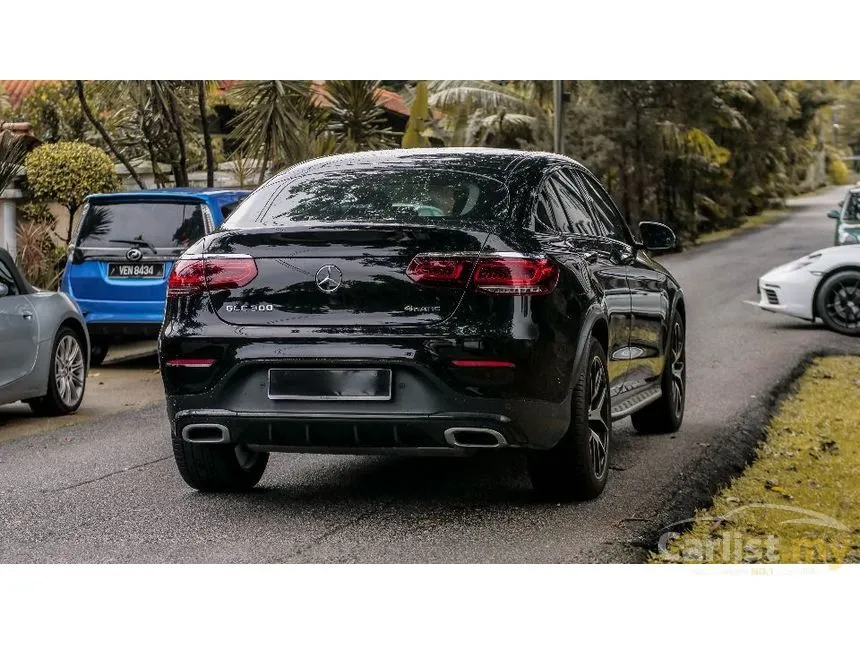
(721,463)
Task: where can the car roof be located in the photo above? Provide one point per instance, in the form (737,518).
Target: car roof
(170,192)
(493,160)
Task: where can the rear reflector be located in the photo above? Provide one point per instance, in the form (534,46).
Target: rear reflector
(481,363)
(495,274)
(191,362)
(201,273)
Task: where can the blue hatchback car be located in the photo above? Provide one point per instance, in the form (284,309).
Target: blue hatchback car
(123,251)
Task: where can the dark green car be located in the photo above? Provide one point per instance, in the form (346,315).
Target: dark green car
(848,218)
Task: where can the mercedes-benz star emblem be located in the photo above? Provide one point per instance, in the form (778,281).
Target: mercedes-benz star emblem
(329,278)
(134,254)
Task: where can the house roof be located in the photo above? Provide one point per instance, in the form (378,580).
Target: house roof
(18,90)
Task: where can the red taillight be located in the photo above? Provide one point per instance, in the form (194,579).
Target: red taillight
(429,269)
(481,363)
(194,275)
(191,362)
(502,275)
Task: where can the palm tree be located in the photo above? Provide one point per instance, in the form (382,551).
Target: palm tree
(419,119)
(12,152)
(489,112)
(203,88)
(355,116)
(271,120)
(99,126)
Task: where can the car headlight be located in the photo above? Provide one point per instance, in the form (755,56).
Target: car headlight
(847,238)
(803,262)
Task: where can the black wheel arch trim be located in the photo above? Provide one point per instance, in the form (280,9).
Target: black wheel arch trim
(593,316)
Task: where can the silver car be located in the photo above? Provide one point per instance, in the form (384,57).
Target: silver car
(44,346)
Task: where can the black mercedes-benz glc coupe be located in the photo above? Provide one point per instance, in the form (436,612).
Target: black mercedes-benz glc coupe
(436,301)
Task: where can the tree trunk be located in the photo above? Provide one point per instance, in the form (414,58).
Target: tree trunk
(625,186)
(105,136)
(163,93)
(158,176)
(207,138)
(180,138)
(263,165)
(640,167)
(72,208)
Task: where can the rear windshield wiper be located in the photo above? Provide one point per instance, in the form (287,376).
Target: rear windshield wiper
(137,243)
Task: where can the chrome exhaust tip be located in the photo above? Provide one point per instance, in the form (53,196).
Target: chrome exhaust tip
(206,433)
(475,438)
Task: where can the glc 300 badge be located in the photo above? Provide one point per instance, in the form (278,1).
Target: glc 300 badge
(230,308)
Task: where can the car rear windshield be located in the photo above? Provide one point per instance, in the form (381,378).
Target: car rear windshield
(414,195)
(158,225)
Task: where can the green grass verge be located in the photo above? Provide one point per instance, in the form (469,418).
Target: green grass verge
(750,224)
(799,501)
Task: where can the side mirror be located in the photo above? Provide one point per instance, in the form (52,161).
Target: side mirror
(4,290)
(834,214)
(657,236)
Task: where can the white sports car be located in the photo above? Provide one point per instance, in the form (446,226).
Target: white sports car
(824,284)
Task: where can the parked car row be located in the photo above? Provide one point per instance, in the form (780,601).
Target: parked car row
(113,288)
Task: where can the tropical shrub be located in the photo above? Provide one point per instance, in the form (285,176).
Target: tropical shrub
(837,171)
(67,172)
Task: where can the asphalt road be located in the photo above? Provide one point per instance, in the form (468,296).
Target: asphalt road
(108,490)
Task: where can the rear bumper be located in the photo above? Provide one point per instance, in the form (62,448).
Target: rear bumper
(528,405)
(431,434)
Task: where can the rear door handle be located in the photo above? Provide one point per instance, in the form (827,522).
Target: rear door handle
(27,315)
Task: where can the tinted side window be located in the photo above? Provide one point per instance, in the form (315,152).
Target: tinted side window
(605,212)
(7,279)
(550,216)
(579,220)
(852,207)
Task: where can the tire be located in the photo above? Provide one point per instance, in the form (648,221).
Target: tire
(218,468)
(838,302)
(98,351)
(578,466)
(67,376)
(665,415)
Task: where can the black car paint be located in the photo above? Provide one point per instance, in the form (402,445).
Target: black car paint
(607,288)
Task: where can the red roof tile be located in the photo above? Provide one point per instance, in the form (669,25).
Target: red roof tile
(18,90)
